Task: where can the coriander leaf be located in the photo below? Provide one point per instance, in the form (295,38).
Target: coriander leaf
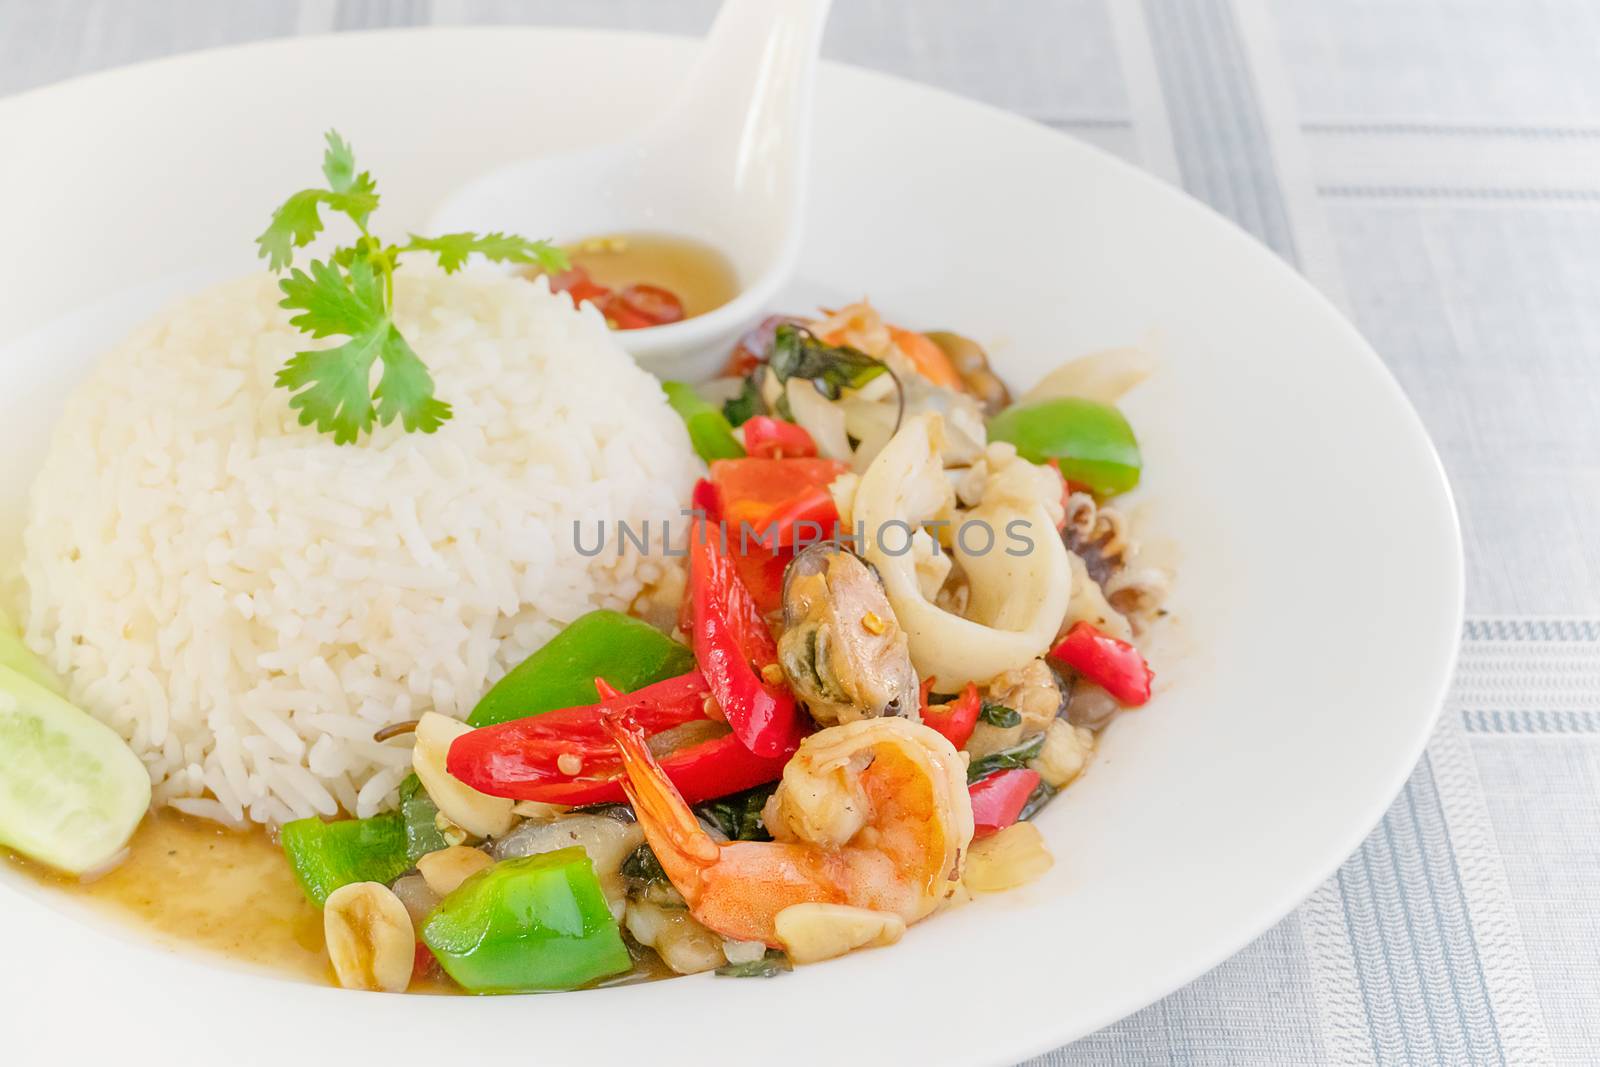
(406,387)
(354,194)
(294,225)
(299,219)
(332,302)
(359,201)
(453,249)
(796,353)
(338,162)
(330,385)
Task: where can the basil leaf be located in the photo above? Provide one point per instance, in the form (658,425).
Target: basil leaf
(796,353)
(1042,794)
(1005,760)
(419,812)
(744,407)
(739,815)
(999,715)
(641,867)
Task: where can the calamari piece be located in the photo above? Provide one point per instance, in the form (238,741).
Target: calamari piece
(1018,586)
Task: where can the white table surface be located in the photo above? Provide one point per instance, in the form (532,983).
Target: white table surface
(1434,166)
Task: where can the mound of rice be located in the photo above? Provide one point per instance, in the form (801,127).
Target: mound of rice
(245,601)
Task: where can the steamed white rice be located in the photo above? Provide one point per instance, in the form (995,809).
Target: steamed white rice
(245,601)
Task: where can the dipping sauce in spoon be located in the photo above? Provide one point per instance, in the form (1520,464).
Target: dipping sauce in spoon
(647,279)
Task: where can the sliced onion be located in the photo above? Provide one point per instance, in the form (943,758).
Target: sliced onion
(1104,376)
(820,417)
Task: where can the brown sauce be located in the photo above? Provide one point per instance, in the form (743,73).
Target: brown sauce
(189,884)
(701,277)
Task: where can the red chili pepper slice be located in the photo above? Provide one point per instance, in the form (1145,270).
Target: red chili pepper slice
(500,760)
(641,306)
(654,304)
(519,759)
(576,282)
(998,799)
(768,438)
(736,651)
(621,315)
(1113,665)
(957,719)
(705,771)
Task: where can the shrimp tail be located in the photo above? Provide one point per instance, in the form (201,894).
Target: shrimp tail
(674,833)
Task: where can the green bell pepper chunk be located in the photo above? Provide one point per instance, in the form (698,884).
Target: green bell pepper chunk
(709,430)
(626,652)
(327,855)
(420,814)
(1091,442)
(15,654)
(536,923)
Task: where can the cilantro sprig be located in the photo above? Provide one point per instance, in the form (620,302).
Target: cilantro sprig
(351,294)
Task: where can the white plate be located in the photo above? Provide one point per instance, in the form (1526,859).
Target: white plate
(1319,592)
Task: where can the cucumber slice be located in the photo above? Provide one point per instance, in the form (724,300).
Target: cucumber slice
(15,654)
(71,791)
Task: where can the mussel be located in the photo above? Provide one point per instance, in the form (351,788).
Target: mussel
(842,649)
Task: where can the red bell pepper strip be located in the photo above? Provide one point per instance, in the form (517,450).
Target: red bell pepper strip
(768,438)
(770,497)
(704,500)
(1113,665)
(998,799)
(736,651)
(423,962)
(749,490)
(800,521)
(762,574)
(955,720)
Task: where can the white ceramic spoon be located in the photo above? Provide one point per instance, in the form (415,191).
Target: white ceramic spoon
(725,163)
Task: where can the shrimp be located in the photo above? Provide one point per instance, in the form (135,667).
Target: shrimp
(872,814)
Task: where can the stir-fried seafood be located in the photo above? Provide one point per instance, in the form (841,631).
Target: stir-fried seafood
(821,743)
